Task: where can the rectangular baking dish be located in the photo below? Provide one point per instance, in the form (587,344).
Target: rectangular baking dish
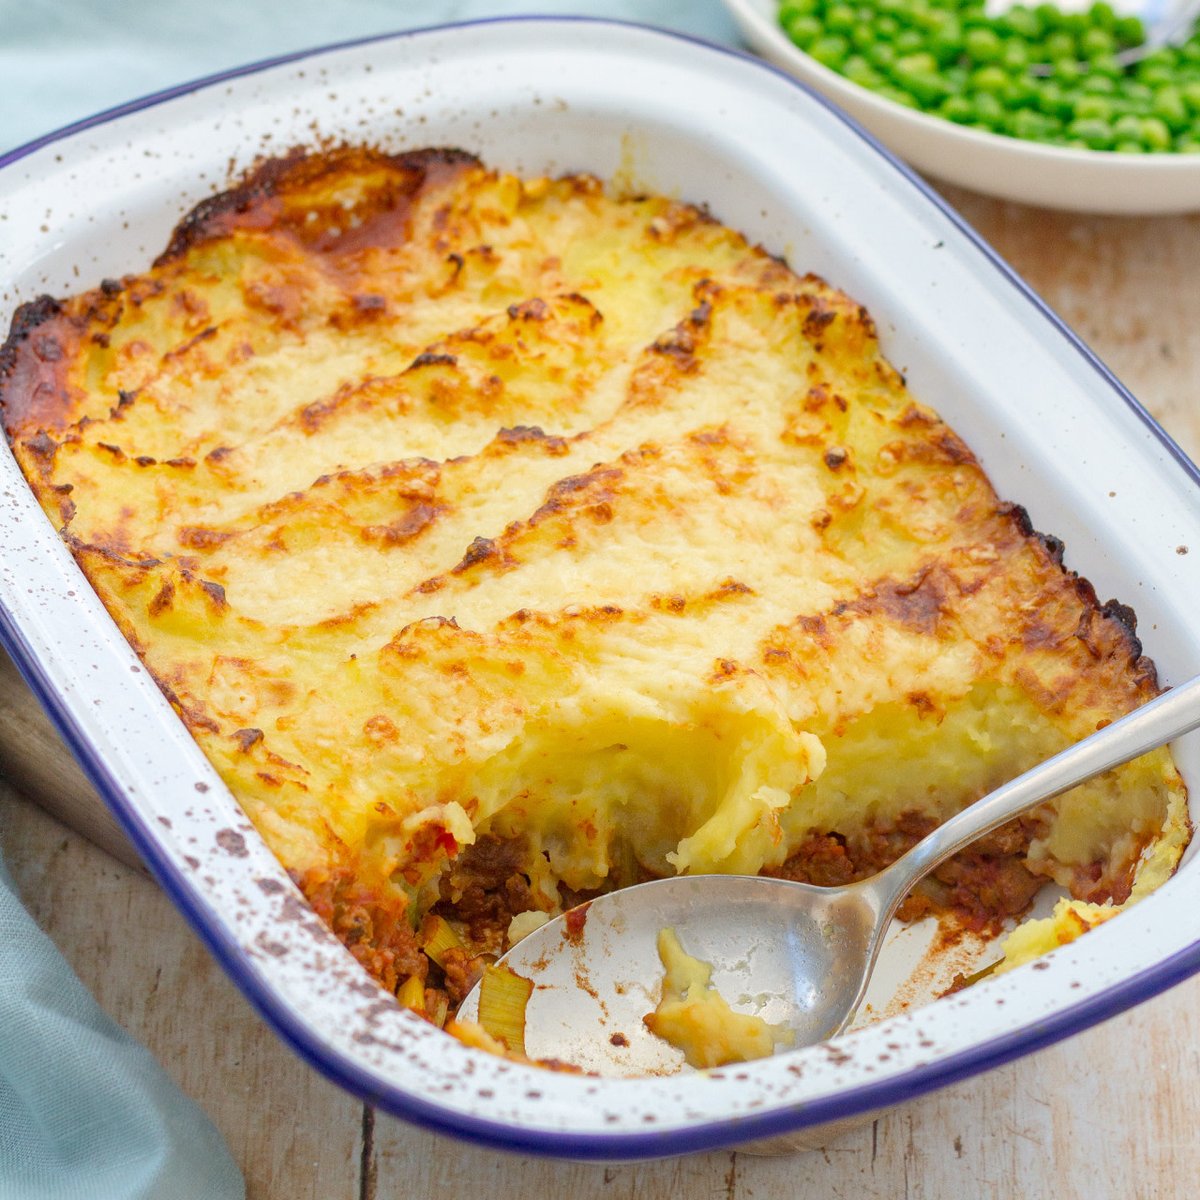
(1051,426)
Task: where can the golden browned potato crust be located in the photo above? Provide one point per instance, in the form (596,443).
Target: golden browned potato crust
(504,541)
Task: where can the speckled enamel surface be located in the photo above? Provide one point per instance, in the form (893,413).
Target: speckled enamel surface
(1052,429)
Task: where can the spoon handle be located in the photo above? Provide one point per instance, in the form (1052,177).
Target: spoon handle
(1172,714)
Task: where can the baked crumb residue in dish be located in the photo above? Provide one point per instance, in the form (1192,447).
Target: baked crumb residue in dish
(504,541)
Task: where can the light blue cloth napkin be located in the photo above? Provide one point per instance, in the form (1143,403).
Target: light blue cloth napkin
(85,1112)
(62,60)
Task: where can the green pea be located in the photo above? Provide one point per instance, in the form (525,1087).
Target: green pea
(1023,23)
(1129,147)
(1129,31)
(1191,96)
(946,41)
(1021,91)
(957,77)
(804,30)
(1054,101)
(858,70)
(908,41)
(1057,46)
(1068,71)
(888,28)
(989,79)
(988,109)
(1096,43)
(921,63)
(1015,56)
(840,19)
(1099,85)
(929,19)
(1155,134)
(1031,126)
(1187,145)
(1076,24)
(862,38)
(1096,134)
(882,56)
(983,45)
(927,86)
(1153,75)
(958,109)
(1128,129)
(830,50)
(790,9)
(1102,16)
(1138,94)
(1048,16)
(1098,108)
(1164,57)
(1169,106)
(1105,67)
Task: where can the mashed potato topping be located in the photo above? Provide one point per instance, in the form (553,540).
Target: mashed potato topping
(1069,920)
(503,540)
(697,1019)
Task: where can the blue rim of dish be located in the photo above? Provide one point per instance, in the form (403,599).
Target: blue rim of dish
(712,1134)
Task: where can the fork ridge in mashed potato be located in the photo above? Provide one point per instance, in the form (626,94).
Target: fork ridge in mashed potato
(501,541)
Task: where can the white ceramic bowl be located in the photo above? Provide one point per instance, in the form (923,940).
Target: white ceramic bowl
(1051,176)
(1050,424)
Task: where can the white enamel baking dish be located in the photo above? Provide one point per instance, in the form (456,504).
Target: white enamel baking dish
(1052,426)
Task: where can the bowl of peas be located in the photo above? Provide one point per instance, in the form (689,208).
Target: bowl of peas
(1034,103)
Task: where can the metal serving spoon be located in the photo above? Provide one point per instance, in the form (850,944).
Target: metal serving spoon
(798,955)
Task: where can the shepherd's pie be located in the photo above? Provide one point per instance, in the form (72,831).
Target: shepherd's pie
(502,541)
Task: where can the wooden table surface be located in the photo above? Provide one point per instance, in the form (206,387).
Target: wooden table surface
(1112,1112)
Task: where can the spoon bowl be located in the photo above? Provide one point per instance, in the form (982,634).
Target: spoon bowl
(792,953)
(796,955)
